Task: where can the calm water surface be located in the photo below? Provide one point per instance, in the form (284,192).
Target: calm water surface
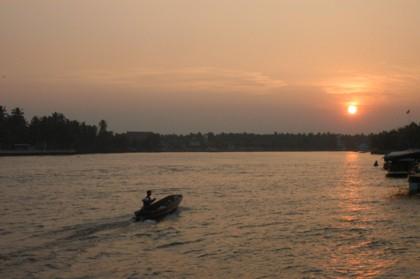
(244,215)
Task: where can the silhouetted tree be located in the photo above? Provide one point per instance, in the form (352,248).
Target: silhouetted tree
(103,127)
(16,124)
(3,127)
(402,138)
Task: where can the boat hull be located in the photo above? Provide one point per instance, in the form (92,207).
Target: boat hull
(159,209)
(397,174)
(414,184)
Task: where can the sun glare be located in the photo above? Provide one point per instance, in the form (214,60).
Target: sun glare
(352,109)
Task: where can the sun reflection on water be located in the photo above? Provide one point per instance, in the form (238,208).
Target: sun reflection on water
(359,253)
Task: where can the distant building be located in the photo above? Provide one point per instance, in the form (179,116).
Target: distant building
(143,141)
(22,146)
(138,136)
(364,147)
(340,145)
(194,143)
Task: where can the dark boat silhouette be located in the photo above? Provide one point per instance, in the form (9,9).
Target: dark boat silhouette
(159,209)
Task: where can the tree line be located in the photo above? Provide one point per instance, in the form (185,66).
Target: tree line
(57,132)
(262,142)
(407,137)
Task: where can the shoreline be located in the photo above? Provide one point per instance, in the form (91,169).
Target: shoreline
(5,153)
(16,153)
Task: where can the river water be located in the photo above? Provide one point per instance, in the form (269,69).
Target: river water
(244,215)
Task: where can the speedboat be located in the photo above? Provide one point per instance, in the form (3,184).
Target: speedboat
(399,163)
(400,168)
(159,209)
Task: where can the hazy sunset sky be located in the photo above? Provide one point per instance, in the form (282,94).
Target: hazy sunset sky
(178,66)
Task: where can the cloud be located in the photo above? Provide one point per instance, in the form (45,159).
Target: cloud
(370,85)
(203,79)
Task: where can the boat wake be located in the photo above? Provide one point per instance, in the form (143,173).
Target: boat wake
(86,231)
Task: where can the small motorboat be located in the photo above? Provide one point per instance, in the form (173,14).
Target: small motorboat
(159,209)
(399,163)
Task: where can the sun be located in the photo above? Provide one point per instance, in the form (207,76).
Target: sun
(352,109)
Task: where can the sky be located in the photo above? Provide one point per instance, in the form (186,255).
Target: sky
(181,66)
